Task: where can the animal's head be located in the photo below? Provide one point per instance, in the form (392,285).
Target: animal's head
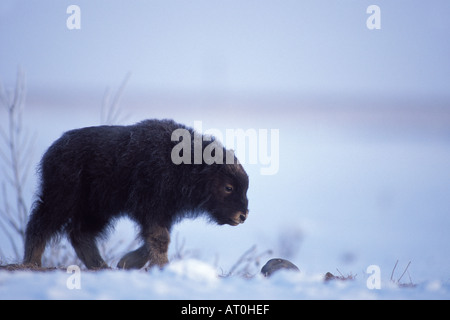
(227,194)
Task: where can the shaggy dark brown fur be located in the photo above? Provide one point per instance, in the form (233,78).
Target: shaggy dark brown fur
(91,176)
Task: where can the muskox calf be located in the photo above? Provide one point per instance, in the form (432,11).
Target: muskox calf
(91,176)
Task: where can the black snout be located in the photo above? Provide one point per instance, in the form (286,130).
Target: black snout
(243,216)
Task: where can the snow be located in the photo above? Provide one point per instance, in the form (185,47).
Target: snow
(349,194)
(196,280)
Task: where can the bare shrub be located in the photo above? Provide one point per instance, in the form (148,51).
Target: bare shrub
(248,264)
(16,161)
(409,284)
(111,112)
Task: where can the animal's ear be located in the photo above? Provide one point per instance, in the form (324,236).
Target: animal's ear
(209,182)
(216,181)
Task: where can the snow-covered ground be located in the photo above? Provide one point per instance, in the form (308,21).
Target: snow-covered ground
(194,279)
(356,187)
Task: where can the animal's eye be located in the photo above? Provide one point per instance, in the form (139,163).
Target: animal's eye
(228,188)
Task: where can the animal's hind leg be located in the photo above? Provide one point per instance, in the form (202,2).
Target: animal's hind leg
(86,249)
(40,229)
(34,248)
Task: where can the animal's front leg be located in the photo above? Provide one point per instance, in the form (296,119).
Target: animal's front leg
(158,242)
(154,249)
(135,259)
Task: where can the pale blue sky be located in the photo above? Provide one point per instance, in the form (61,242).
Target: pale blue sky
(232,46)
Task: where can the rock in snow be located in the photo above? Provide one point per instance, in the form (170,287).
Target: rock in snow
(194,279)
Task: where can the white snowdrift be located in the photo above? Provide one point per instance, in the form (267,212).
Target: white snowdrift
(194,279)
